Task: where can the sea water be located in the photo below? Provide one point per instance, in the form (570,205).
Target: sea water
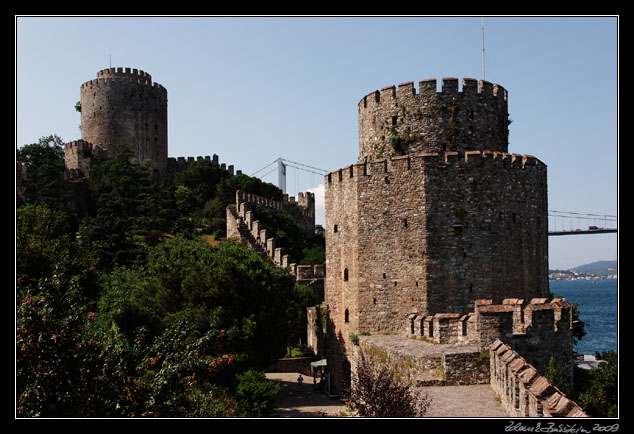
(598,308)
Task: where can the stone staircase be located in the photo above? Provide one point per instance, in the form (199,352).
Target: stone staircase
(246,238)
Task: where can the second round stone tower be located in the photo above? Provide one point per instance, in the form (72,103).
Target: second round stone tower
(124,106)
(397,121)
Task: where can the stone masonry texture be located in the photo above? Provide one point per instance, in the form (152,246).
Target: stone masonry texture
(435,215)
(124,106)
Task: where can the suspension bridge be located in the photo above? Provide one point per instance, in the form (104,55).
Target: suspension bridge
(559,222)
(573,223)
(280,165)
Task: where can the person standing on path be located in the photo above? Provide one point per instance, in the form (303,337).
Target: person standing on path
(300,380)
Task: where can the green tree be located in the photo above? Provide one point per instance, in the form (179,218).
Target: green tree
(43,242)
(220,287)
(44,162)
(202,178)
(601,398)
(130,212)
(555,375)
(58,364)
(215,209)
(255,394)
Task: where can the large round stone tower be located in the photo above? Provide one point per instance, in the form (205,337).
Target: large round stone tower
(435,215)
(124,106)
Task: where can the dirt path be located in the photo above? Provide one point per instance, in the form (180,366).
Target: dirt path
(295,402)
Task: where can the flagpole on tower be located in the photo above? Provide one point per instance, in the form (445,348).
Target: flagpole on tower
(483,69)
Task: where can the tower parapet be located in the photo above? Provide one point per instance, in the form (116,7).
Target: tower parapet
(398,120)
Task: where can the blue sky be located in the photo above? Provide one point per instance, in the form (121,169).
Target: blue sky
(258,88)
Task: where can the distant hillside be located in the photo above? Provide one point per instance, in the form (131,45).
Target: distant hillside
(599,268)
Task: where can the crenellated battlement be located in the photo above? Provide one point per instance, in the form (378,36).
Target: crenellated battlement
(242,224)
(119,72)
(303,206)
(126,74)
(80,155)
(522,390)
(424,161)
(81,144)
(513,318)
(449,87)
(400,120)
(302,212)
(180,164)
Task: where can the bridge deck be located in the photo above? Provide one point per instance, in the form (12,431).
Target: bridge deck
(580,232)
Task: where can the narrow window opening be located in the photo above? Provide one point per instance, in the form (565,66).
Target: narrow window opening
(387,180)
(374,301)
(394,119)
(384,275)
(404,223)
(395,283)
(470,287)
(346,316)
(345,275)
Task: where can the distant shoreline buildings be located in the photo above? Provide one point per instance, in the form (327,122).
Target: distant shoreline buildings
(554,275)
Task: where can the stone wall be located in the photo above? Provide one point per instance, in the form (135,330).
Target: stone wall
(396,121)
(301,209)
(522,391)
(180,164)
(417,363)
(538,329)
(437,232)
(80,156)
(249,234)
(292,364)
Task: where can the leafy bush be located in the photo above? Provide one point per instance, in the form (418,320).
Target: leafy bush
(255,394)
(376,393)
(600,399)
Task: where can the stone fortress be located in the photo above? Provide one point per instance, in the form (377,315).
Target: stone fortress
(436,238)
(438,233)
(124,106)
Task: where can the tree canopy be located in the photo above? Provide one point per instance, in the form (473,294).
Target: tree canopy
(122,309)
